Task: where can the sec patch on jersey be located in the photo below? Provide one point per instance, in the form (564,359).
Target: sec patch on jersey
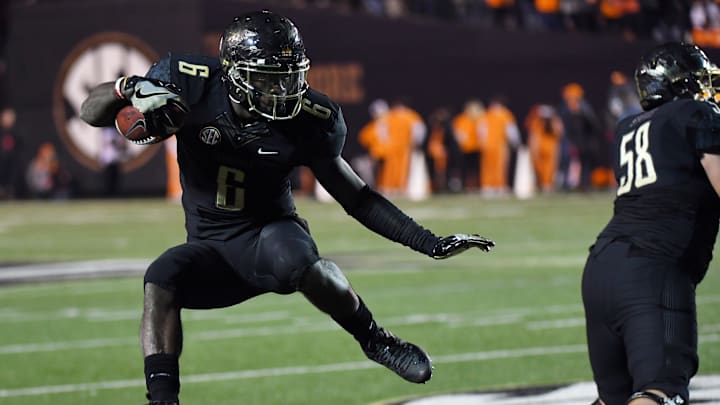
(130,122)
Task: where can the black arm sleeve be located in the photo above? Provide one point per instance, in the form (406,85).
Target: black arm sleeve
(102,105)
(384,218)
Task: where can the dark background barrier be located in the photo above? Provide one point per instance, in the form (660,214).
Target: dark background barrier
(56,54)
(356,58)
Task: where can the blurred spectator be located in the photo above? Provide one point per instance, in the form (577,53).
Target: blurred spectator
(705,20)
(407,134)
(4,30)
(622,99)
(580,15)
(501,135)
(395,8)
(581,143)
(375,7)
(9,153)
(390,139)
(503,13)
(661,20)
(622,102)
(527,16)
(45,177)
(674,21)
(549,14)
(173,186)
(620,16)
(375,138)
(544,128)
(470,127)
(443,153)
(113,151)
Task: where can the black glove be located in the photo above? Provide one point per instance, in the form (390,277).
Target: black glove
(458,243)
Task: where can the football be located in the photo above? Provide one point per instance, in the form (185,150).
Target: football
(130,122)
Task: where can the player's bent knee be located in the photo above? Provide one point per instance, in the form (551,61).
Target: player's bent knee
(326,275)
(285,253)
(654,397)
(328,289)
(165,270)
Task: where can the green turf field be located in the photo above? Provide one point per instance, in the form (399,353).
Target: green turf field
(509,318)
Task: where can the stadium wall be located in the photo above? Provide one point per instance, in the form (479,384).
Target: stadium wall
(56,53)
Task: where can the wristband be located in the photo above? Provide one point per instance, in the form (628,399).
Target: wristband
(119,83)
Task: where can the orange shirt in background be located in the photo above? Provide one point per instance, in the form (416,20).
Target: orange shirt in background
(469,131)
(544,131)
(495,154)
(547,6)
(402,125)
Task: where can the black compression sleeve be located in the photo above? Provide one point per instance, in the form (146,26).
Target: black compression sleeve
(384,218)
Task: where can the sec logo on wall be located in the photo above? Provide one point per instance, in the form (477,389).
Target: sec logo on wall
(99,58)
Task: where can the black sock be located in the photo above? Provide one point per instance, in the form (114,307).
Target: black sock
(360,324)
(162,376)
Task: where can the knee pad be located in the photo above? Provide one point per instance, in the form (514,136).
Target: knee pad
(162,272)
(166,270)
(676,400)
(324,274)
(284,252)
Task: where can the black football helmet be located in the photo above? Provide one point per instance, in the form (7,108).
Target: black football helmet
(675,70)
(264,64)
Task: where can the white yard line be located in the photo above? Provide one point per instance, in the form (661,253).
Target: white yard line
(284,371)
(299,325)
(294,370)
(313,325)
(72,269)
(318,369)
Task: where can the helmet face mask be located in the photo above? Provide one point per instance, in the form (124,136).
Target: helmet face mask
(274,94)
(264,64)
(676,70)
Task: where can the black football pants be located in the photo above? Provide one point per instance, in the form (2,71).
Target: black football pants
(640,320)
(214,274)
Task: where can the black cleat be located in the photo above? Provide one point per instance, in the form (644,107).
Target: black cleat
(405,359)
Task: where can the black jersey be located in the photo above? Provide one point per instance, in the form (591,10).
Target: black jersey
(665,203)
(230,184)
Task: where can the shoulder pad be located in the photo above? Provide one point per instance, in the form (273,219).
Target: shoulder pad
(703,128)
(325,115)
(191,74)
(160,70)
(318,105)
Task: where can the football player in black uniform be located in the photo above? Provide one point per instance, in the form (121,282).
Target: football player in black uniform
(639,281)
(242,123)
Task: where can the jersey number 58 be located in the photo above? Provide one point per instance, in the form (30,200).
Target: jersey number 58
(635,157)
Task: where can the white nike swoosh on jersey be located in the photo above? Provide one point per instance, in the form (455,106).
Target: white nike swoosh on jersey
(267,152)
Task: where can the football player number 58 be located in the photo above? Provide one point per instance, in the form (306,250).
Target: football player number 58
(635,157)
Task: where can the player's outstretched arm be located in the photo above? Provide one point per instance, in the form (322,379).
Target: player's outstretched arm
(384,218)
(101,106)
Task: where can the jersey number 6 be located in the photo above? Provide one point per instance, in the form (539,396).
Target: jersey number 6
(230,192)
